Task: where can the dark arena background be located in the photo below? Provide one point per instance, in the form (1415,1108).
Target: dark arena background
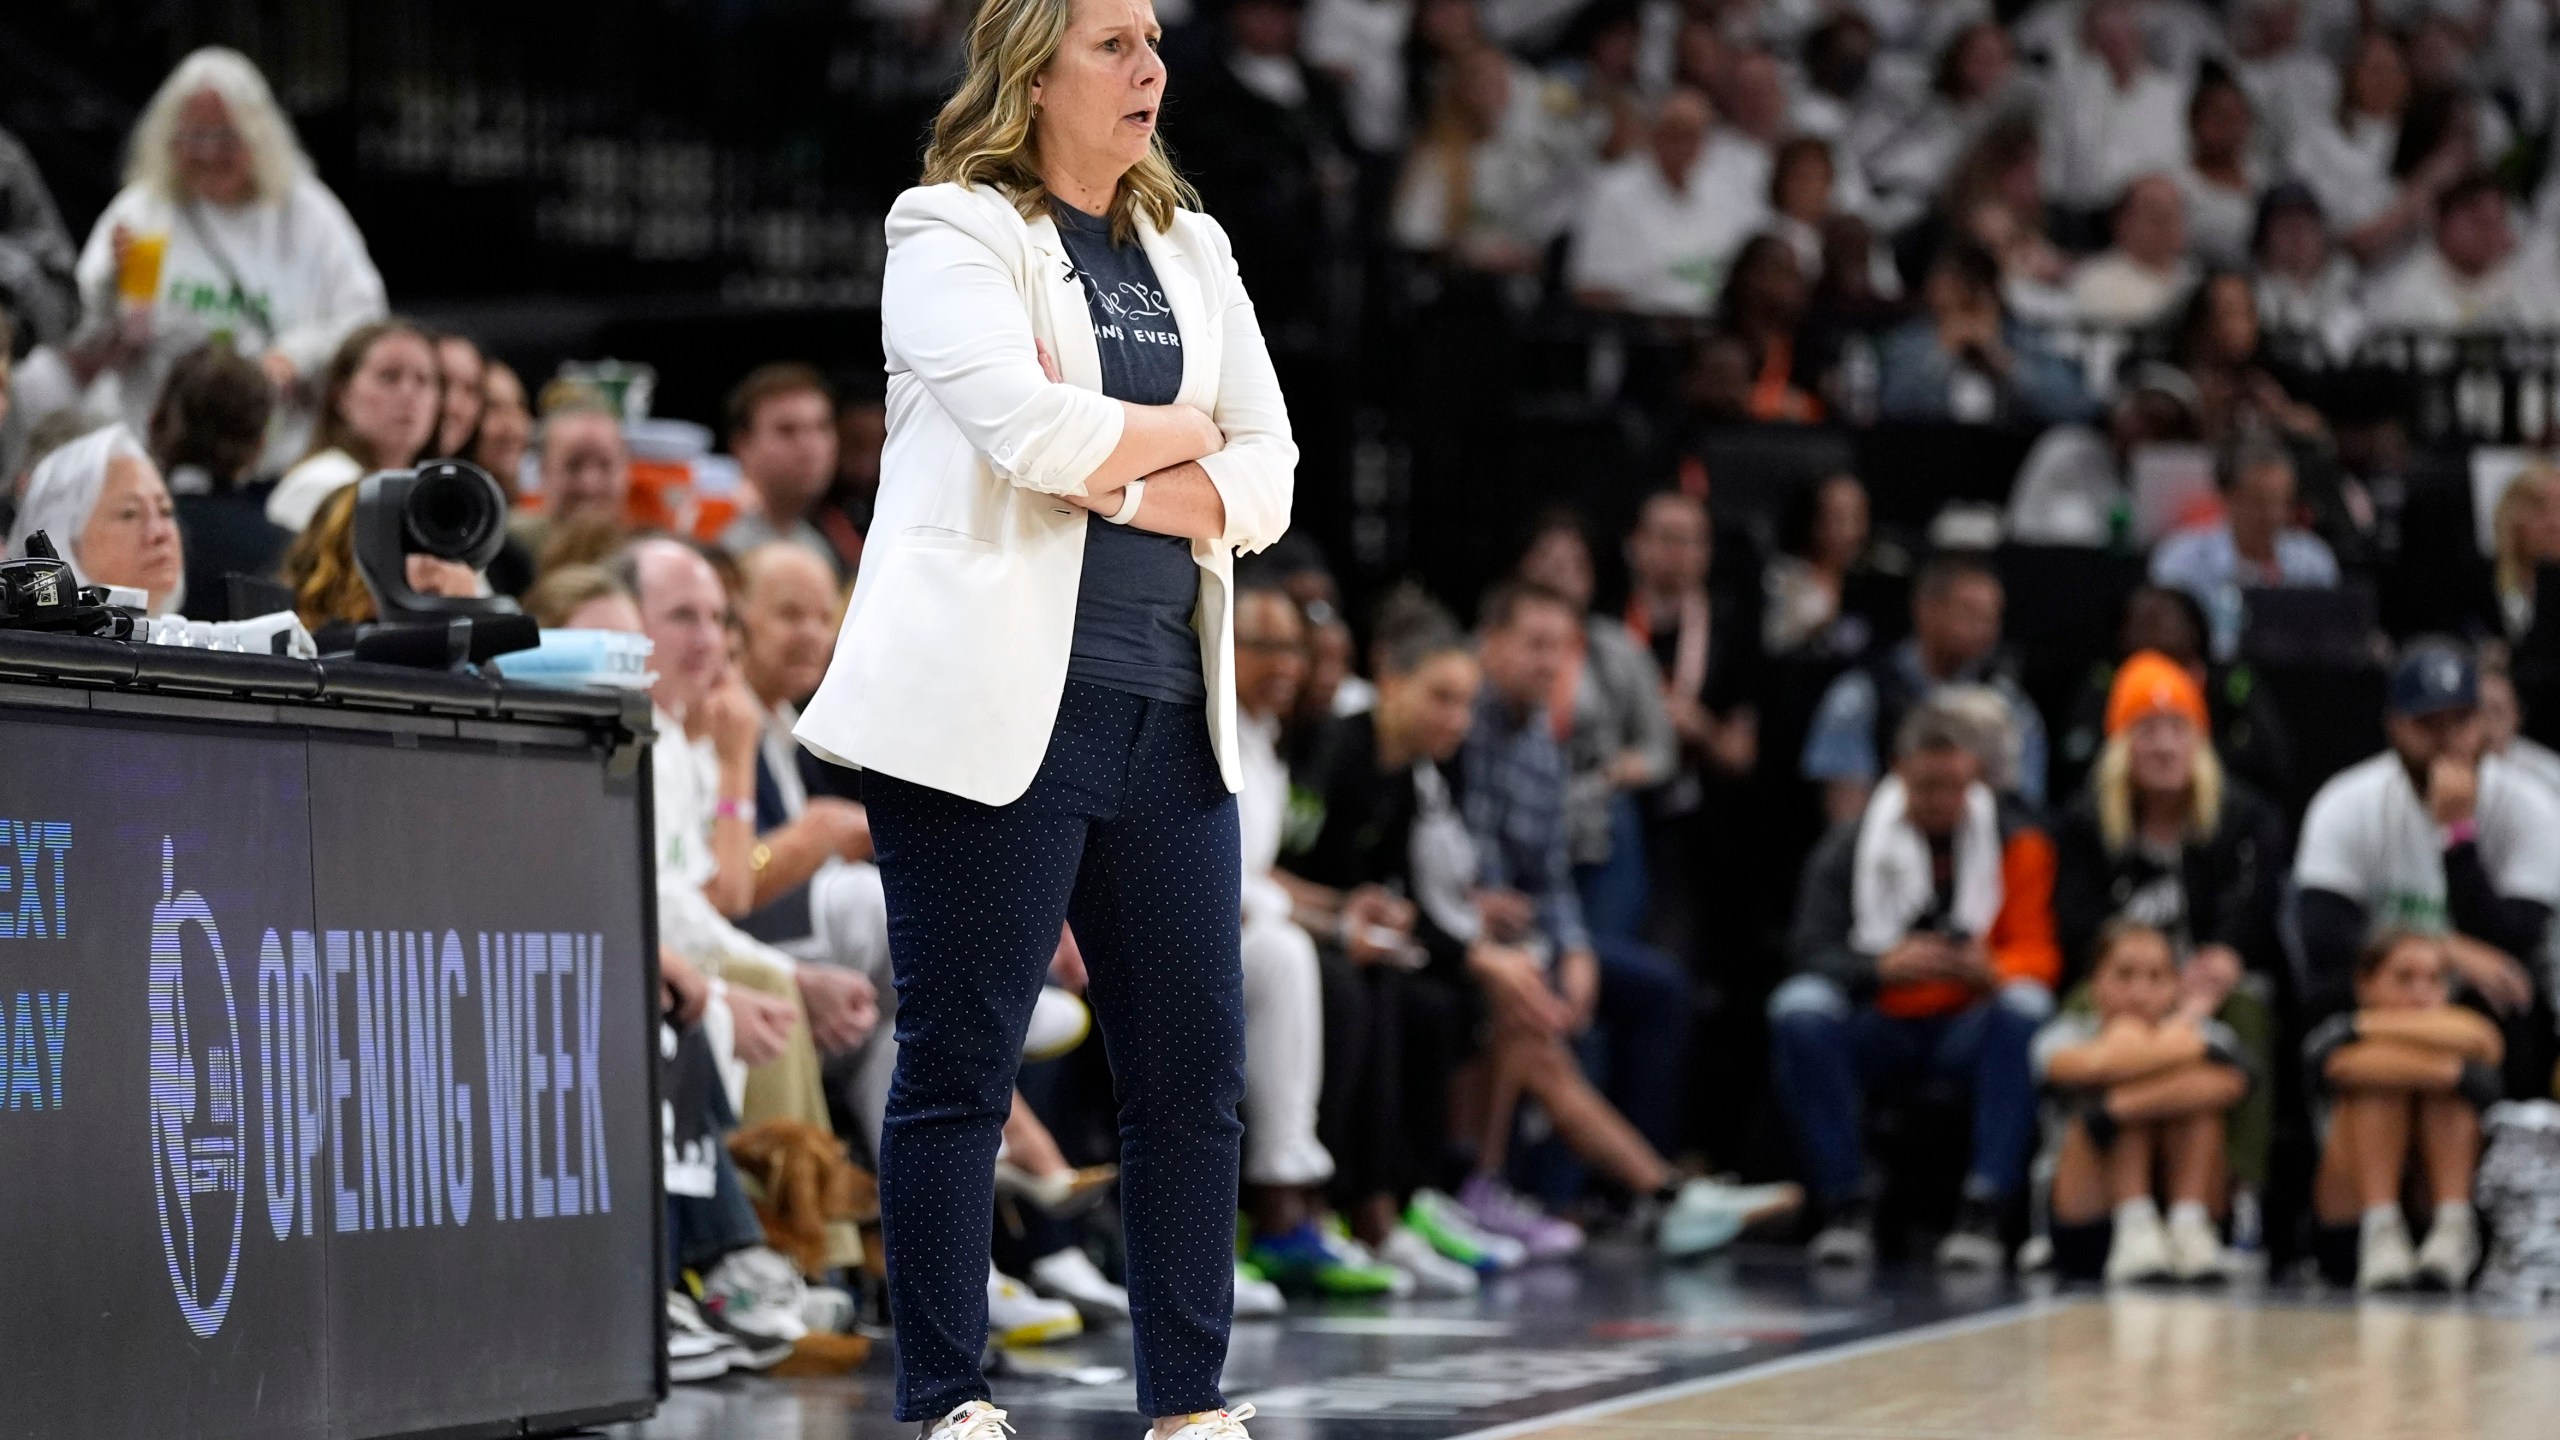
(1986,554)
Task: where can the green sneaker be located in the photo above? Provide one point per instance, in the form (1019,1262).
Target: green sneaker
(1317,1260)
(1451,1231)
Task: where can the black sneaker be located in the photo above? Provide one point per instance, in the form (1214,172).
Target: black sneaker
(1847,1240)
(1975,1242)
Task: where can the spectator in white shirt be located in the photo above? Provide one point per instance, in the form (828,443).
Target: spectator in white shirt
(1284,1163)
(1976,82)
(704,803)
(2467,277)
(1841,99)
(2112,114)
(2353,161)
(2255,545)
(1479,187)
(1361,43)
(1659,228)
(252,245)
(2290,83)
(1753,99)
(1997,198)
(2304,286)
(2221,178)
(2133,282)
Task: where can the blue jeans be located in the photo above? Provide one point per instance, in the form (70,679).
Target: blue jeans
(1615,891)
(1642,1026)
(1828,1053)
(1129,832)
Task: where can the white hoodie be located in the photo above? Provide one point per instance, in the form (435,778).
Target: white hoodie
(293,277)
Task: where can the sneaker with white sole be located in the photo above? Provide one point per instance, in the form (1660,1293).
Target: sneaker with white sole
(1706,1214)
(2384,1257)
(1257,1298)
(1015,1316)
(827,1310)
(1435,1276)
(1497,1207)
(2138,1254)
(756,1295)
(2196,1255)
(1216,1425)
(695,1351)
(2452,1249)
(1451,1231)
(1070,1275)
(976,1420)
(1973,1246)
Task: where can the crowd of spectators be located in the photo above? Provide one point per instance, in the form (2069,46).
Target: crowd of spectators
(1729,818)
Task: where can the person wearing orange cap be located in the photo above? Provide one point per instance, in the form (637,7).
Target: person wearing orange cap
(2163,836)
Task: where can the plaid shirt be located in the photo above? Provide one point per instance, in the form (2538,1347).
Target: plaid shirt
(1515,793)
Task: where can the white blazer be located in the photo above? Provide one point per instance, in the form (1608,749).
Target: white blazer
(953,655)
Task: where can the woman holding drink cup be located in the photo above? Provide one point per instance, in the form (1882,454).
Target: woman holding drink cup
(221,229)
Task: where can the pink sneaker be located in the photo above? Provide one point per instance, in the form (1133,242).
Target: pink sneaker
(1504,1211)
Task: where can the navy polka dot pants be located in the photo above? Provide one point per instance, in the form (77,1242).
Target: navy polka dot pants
(1129,834)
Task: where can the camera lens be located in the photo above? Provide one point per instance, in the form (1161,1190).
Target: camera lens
(454,511)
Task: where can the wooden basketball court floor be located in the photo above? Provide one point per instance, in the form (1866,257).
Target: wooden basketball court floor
(2130,1366)
(1754,1347)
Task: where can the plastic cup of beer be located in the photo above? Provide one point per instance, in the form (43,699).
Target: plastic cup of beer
(138,269)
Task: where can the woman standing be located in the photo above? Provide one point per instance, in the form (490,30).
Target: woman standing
(1035,672)
(221,228)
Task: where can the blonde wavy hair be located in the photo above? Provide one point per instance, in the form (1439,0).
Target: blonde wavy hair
(2538,484)
(275,156)
(2113,783)
(320,566)
(985,134)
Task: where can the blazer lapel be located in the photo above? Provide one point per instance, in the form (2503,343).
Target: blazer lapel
(1181,286)
(1070,320)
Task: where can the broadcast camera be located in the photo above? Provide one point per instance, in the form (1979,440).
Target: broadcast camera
(451,510)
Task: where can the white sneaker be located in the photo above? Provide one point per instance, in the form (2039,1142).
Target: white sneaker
(2195,1250)
(976,1420)
(1219,1425)
(756,1295)
(695,1351)
(2452,1250)
(2384,1259)
(1257,1298)
(1352,1252)
(1015,1316)
(1435,1276)
(1843,1245)
(1070,1275)
(2139,1253)
(1707,1214)
(827,1310)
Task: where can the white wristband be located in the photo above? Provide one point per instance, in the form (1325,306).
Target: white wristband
(1131,497)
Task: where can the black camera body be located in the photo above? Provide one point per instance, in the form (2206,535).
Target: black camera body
(40,592)
(451,510)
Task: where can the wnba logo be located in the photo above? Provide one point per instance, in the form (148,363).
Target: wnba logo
(197,1150)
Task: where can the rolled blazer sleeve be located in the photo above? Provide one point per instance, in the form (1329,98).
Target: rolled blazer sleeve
(953,313)
(1256,472)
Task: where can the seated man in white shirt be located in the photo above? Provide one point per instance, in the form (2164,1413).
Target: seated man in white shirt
(704,790)
(2469,275)
(787,613)
(1660,227)
(2137,279)
(2111,114)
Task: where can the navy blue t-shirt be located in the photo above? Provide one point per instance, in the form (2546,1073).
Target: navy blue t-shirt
(1133,612)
